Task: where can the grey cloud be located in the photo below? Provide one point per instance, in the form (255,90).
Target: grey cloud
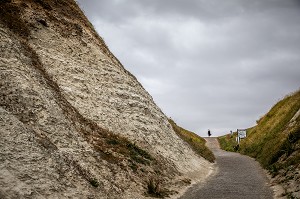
(207,64)
(120,10)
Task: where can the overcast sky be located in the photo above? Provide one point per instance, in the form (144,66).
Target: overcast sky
(208,64)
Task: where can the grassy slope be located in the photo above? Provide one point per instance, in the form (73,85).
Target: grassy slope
(275,143)
(272,137)
(196,142)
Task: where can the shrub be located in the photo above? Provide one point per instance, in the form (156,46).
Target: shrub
(94,182)
(138,155)
(154,189)
(228,142)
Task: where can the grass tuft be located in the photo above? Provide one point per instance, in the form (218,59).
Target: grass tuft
(138,155)
(154,189)
(94,182)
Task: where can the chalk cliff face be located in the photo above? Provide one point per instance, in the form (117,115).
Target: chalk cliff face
(73,121)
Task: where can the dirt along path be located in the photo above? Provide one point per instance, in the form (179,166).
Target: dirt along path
(237,177)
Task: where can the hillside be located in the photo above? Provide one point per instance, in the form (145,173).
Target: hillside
(73,121)
(275,143)
(196,142)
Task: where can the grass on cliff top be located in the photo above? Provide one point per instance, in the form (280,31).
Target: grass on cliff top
(273,139)
(196,142)
(269,139)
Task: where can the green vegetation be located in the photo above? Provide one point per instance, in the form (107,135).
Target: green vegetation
(275,142)
(273,137)
(139,155)
(228,142)
(196,142)
(114,148)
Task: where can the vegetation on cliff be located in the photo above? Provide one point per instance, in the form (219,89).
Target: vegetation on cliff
(275,142)
(274,135)
(196,142)
(228,142)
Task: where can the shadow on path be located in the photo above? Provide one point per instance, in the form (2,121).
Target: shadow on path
(238,177)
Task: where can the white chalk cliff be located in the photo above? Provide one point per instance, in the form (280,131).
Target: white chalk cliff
(73,122)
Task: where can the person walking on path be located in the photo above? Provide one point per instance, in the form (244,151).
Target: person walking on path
(209,134)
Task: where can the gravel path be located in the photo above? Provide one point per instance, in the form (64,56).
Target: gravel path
(237,177)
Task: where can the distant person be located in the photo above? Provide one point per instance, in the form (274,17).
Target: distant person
(209,134)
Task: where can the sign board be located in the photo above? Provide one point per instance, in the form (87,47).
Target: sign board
(242,133)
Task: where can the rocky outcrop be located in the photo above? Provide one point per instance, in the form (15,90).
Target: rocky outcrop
(74,122)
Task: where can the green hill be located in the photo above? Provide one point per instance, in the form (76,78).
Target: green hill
(275,143)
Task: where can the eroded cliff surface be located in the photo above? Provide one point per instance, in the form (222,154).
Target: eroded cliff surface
(74,122)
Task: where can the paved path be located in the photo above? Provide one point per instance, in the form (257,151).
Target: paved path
(238,177)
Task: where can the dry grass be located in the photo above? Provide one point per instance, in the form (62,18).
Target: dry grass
(267,141)
(275,143)
(272,138)
(196,142)
(155,189)
(10,16)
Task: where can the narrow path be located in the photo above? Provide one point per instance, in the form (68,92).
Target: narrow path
(238,177)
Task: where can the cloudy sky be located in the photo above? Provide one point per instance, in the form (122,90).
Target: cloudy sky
(208,64)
